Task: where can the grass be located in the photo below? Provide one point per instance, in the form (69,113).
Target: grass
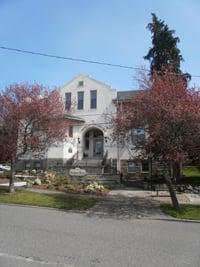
(190,212)
(191,171)
(191,175)
(46,200)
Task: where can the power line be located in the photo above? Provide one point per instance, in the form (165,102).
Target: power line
(68,58)
(78,59)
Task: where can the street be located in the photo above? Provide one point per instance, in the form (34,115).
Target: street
(36,237)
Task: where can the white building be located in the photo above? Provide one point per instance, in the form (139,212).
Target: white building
(92,103)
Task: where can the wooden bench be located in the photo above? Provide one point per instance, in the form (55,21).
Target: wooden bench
(24,177)
(162,187)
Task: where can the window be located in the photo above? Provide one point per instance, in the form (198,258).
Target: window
(132,167)
(93,99)
(68,101)
(80,83)
(145,166)
(70,131)
(37,165)
(87,143)
(97,133)
(80,100)
(138,137)
(27,165)
(70,150)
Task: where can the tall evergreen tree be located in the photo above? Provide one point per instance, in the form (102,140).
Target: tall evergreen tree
(164,51)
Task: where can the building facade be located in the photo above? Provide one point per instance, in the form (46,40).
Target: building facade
(90,105)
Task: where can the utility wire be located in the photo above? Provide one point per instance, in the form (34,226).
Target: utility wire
(76,59)
(68,58)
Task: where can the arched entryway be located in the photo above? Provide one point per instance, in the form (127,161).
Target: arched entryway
(93,146)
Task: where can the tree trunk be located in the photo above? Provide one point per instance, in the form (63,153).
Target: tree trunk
(172,192)
(12,177)
(177,171)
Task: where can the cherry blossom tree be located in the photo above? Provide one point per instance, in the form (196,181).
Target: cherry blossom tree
(169,112)
(31,120)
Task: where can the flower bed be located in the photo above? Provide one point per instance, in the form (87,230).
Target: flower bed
(51,181)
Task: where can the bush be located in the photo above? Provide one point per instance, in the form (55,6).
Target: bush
(5,174)
(49,177)
(71,188)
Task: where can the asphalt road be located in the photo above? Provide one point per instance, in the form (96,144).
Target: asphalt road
(36,237)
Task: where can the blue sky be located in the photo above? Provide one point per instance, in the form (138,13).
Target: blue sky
(107,30)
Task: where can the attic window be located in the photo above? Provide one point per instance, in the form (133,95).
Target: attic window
(80,83)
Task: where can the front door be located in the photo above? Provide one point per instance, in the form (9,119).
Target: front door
(98,148)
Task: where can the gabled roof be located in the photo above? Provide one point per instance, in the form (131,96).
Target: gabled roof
(127,95)
(90,78)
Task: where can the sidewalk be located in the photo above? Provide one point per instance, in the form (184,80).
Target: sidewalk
(162,197)
(127,193)
(120,204)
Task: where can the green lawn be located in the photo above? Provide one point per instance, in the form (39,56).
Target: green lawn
(190,212)
(191,171)
(47,200)
(191,175)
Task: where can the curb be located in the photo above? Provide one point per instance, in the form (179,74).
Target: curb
(176,220)
(85,212)
(46,208)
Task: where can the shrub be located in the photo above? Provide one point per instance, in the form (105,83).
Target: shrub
(49,177)
(5,174)
(71,188)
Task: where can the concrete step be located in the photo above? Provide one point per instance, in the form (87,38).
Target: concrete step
(110,181)
(88,163)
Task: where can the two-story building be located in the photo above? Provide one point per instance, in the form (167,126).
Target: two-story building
(90,105)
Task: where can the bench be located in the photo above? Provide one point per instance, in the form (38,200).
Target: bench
(162,187)
(24,177)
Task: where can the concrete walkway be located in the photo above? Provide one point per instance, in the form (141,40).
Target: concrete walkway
(121,204)
(120,207)
(126,204)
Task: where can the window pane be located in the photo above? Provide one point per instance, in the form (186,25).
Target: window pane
(145,166)
(93,99)
(132,167)
(80,100)
(80,83)
(138,137)
(87,143)
(70,131)
(67,101)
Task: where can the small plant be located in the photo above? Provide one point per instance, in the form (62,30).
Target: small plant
(49,177)
(71,188)
(94,187)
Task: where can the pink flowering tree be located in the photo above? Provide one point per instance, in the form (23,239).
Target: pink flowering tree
(31,120)
(170,113)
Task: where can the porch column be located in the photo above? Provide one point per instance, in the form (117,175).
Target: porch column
(91,144)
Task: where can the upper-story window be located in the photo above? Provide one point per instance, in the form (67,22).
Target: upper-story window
(138,137)
(68,101)
(70,131)
(80,100)
(93,99)
(80,83)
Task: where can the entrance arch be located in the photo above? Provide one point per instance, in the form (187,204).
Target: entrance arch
(93,143)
